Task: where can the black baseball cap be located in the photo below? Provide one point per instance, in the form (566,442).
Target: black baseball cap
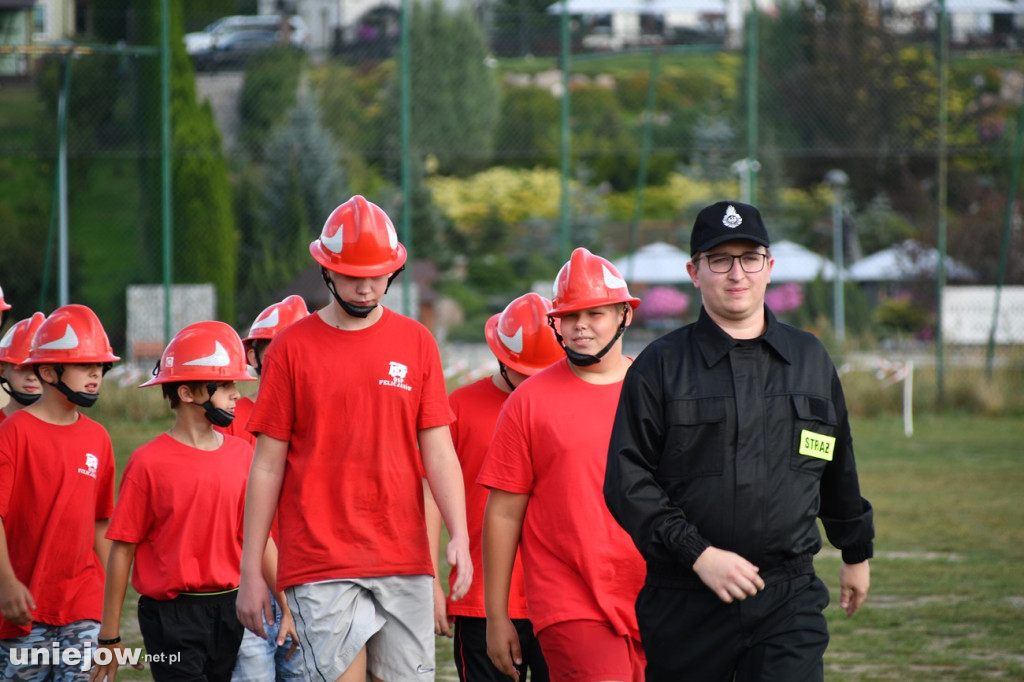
(726,221)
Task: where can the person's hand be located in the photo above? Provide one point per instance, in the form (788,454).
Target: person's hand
(729,575)
(108,672)
(287,631)
(503,646)
(442,623)
(16,602)
(252,604)
(854,580)
(457,553)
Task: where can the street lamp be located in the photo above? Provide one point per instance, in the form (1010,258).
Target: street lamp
(838,180)
(746,169)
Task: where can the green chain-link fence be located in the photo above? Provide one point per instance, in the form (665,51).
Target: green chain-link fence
(666,112)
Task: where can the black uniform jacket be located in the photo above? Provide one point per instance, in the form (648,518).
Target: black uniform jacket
(739,444)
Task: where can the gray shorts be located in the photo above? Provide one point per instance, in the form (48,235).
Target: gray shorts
(392,616)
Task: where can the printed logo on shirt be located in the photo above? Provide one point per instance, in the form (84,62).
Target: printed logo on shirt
(397,372)
(817,445)
(92,463)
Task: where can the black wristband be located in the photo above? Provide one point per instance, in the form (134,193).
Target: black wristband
(105,642)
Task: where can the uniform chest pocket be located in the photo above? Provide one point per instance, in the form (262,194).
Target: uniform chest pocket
(815,430)
(696,440)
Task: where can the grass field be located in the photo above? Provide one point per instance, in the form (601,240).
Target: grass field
(947,596)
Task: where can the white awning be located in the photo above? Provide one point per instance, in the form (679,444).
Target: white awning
(796,263)
(905,261)
(656,263)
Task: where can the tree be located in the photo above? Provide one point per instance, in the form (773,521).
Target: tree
(455,94)
(301,182)
(268,94)
(837,87)
(205,239)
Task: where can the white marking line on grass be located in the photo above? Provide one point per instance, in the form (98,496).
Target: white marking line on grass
(911,556)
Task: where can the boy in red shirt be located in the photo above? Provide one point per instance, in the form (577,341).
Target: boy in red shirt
(19,380)
(359,414)
(271,658)
(56,495)
(265,327)
(523,344)
(545,470)
(178,523)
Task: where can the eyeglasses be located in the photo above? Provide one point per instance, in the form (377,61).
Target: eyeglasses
(721,263)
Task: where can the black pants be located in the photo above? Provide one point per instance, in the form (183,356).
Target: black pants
(471,652)
(778,635)
(191,637)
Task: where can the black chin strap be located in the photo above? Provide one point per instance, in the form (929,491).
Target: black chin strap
(581,359)
(80,398)
(23,399)
(215,415)
(259,359)
(361,311)
(504,375)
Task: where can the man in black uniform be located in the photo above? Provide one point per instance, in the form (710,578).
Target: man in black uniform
(731,438)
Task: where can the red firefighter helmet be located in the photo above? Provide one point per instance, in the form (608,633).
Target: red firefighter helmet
(4,305)
(520,337)
(16,345)
(72,334)
(359,240)
(203,351)
(589,281)
(276,317)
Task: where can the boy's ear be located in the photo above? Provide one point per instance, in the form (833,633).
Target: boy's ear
(250,355)
(48,374)
(185,394)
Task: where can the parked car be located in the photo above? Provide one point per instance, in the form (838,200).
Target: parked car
(220,42)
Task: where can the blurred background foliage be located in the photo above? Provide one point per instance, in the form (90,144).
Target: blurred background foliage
(836,90)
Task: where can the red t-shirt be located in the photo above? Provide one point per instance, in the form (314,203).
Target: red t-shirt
(56,482)
(551,443)
(243,408)
(183,509)
(351,404)
(476,409)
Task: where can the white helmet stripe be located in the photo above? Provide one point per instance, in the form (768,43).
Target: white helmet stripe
(611,280)
(219,358)
(66,342)
(515,342)
(392,236)
(8,339)
(333,243)
(268,322)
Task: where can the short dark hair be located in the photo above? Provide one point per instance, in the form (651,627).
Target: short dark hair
(170,390)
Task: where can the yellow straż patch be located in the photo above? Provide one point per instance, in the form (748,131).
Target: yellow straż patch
(817,445)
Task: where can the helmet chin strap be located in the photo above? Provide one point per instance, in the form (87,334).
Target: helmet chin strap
(215,415)
(360,311)
(504,375)
(582,359)
(23,399)
(80,398)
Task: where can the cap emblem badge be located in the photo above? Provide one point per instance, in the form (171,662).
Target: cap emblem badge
(732,219)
